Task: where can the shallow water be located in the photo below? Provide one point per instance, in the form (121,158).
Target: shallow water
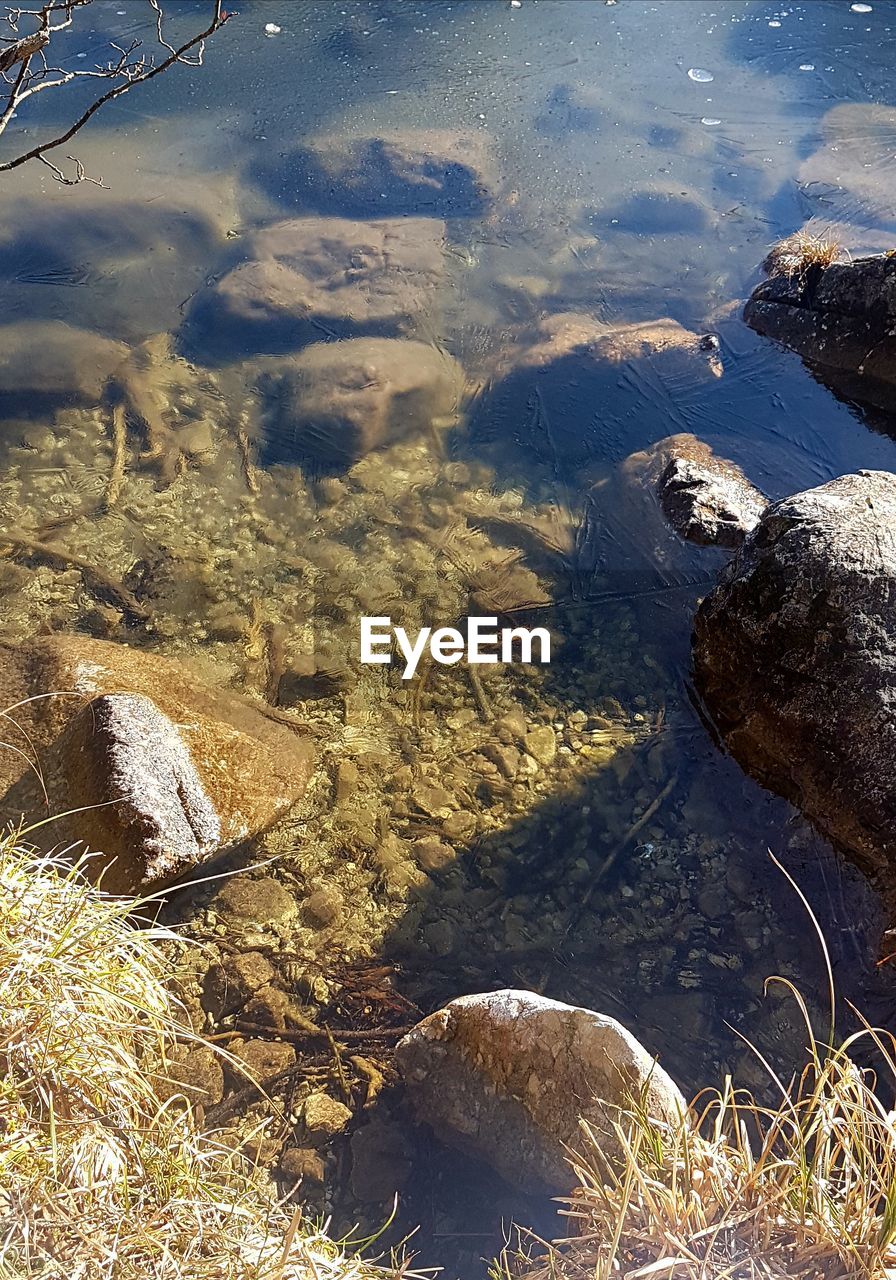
(619,186)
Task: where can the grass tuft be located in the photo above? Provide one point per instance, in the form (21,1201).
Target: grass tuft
(802,1189)
(799,253)
(99,1179)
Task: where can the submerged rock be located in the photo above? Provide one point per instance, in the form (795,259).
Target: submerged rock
(49,359)
(308,277)
(559,387)
(840,318)
(335,402)
(851,173)
(510,1075)
(438,172)
(167,770)
(795,657)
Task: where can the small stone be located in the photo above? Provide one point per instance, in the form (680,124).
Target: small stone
(197,1074)
(302,1165)
(514,723)
(324,1118)
(325,906)
(269,1007)
(347,777)
(541,744)
(228,985)
(506,758)
(262,902)
(432,854)
(264,1059)
(460,719)
(460,825)
(436,802)
(439,937)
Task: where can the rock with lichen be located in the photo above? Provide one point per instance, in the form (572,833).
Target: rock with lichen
(795,658)
(510,1076)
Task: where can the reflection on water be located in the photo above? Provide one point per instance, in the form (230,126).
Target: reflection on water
(318,353)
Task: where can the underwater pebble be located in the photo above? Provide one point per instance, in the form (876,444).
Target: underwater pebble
(860,8)
(271,29)
(807,66)
(700,75)
(709,120)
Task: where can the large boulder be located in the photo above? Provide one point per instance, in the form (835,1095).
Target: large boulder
(43,360)
(436,172)
(795,657)
(510,1076)
(305,278)
(166,770)
(841,318)
(336,401)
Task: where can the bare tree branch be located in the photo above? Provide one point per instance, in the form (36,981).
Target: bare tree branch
(34,74)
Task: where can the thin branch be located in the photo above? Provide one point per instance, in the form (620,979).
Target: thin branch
(133,73)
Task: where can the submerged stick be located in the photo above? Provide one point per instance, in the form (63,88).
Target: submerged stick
(96,580)
(116,475)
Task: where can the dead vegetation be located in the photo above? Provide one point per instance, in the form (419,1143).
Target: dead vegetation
(800,253)
(98,1177)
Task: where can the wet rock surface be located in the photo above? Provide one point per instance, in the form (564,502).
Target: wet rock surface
(510,1075)
(795,655)
(705,498)
(840,319)
(336,402)
(170,772)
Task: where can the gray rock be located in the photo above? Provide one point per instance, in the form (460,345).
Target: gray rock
(167,770)
(795,656)
(510,1075)
(840,318)
(705,498)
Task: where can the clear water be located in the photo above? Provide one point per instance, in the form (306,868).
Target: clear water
(630,187)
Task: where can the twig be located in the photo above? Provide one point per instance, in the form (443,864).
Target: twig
(614,853)
(322,1033)
(482,702)
(116,474)
(96,580)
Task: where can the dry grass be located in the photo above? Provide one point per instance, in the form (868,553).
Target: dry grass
(797,254)
(802,1189)
(98,1178)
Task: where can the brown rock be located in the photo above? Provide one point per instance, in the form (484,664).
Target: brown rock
(436,172)
(189,770)
(509,1076)
(337,401)
(432,854)
(795,657)
(197,1074)
(228,985)
(265,1059)
(259,900)
(324,1118)
(312,275)
(302,1165)
(75,363)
